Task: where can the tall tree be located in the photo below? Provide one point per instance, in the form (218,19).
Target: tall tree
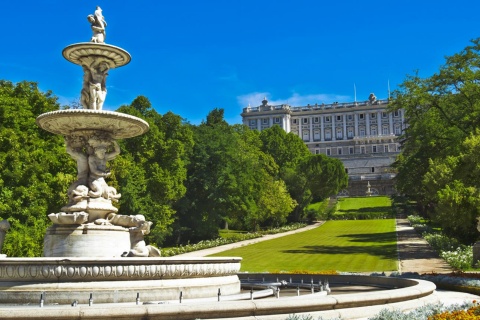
(152,168)
(442,111)
(306,176)
(229,180)
(35,170)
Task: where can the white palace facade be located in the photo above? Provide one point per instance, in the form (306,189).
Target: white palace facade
(363,135)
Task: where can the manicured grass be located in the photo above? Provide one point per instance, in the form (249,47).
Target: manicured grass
(227,234)
(364,205)
(352,245)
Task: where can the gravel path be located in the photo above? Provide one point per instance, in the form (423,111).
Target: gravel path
(415,254)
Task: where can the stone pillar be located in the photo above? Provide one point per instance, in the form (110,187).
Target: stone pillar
(367,121)
(379,123)
(4,226)
(259,124)
(334,129)
(476,247)
(390,122)
(311,129)
(355,117)
(476,253)
(322,132)
(300,130)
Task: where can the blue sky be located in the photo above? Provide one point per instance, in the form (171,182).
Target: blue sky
(189,56)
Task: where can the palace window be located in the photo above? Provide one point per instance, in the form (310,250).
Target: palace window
(361,116)
(277,120)
(327,119)
(328,134)
(385,148)
(351,150)
(396,113)
(339,118)
(373,115)
(384,114)
(328,152)
(373,131)
(253,122)
(305,120)
(306,136)
(398,130)
(339,134)
(374,149)
(385,130)
(315,120)
(339,151)
(265,121)
(362,149)
(294,121)
(362,132)
(350,132)
(350,117)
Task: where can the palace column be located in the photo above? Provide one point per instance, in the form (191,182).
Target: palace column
(300,131)
(355,118)
(390,122)
(344,127)
(311,128)
(379,123)
(367,121)
(322,135)
(334,129)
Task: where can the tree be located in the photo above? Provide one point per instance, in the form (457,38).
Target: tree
(230,180)
(152,168)
(442,111)
(306,176)
(317,177)
(35,170)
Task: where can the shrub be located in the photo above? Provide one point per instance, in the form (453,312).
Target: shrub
(414,219)
(460,259)
(471,313)
(437,311)
(440,242)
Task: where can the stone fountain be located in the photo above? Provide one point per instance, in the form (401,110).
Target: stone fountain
(92,251)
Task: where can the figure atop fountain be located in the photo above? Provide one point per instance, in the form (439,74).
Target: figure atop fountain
(98,25)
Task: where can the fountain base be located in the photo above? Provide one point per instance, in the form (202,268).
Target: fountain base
(63,280)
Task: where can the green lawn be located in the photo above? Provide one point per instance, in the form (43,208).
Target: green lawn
(355,246)
(364,205)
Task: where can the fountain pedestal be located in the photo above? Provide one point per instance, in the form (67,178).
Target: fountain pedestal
(86,241)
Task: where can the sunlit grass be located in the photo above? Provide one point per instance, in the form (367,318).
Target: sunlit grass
(364,204)
(355,246)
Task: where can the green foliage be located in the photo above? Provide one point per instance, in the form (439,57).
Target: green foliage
(355,246)
(152,167)
(439,164)
(230,180)
(307,177)
(35,170)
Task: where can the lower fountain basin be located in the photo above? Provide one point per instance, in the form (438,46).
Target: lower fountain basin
(63,280)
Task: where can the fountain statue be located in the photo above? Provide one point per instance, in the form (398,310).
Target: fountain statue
(91,246)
